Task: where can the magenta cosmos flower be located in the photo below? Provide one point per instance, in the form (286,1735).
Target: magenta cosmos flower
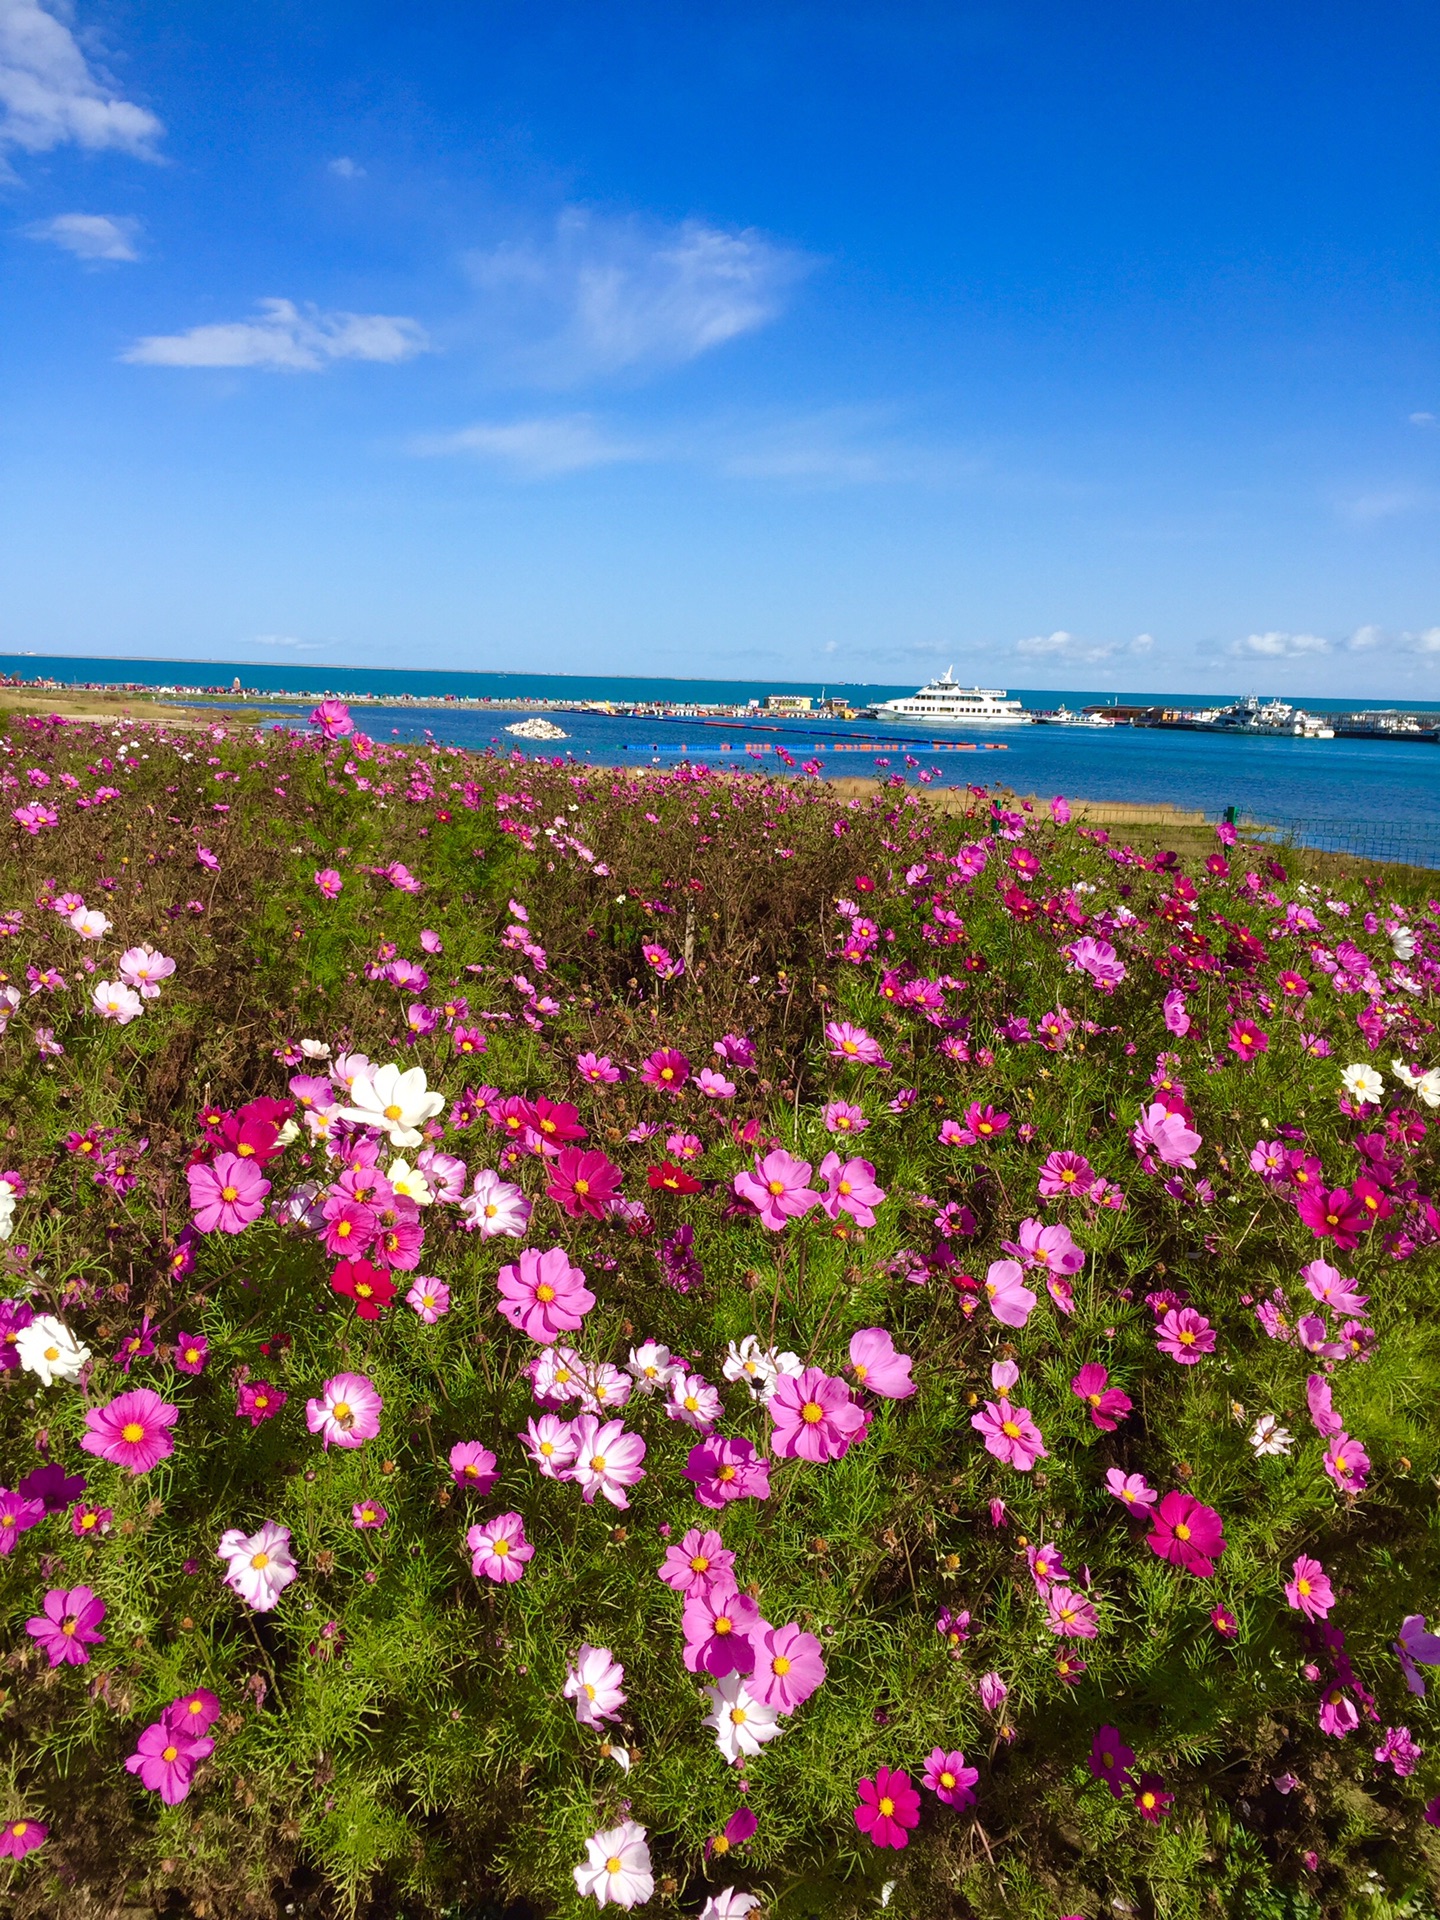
(878,1366)
(1065,1173)
(543,1295)
(1132,1488)
(1010,1434)
(949,1779)
(133,1430)
(889,1807)
(1309,1591)
(699,1561)
(851,1189)
(66,1625)
(1333,1213)
(719,1625)
(583,1183)
(499,1549)
(722,1469)
(777,1189)
(19,1837)
(1111,1761)
(1347,1463)
(854,1044)
(473,1466)
(788,1666)
(165,1758)
(1187,1534)
(815,1417)
(1108,1405)
(665,1069)
(227,1194)
(1185,1335)
(346,1413)
(258,1566)
(332,717)
(1166,1135)
(1051,1248)
(1069,1614)
(329,882)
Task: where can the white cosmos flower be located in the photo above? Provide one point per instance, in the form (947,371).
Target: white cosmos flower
(494,1207)
(410,1182)
(759,1367)
(315,1049)
(89,923)
(733,1904)
(742,1724)
(1363,1084)
(616,1868)
(1267,1436)
(49,1350)
(653,1367)
(259,1567)
(1402,943)
(594,1684)
(1428,1087)
(113,1000)
(396,1100)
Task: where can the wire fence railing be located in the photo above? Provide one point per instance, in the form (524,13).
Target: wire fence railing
(1414,843)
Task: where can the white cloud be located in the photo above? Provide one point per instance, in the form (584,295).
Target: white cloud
(1422,419)
(1385,504)
(283,640)
(285,340)
(537,449)
(1279,646)
(1068,646)
(50,96)
(602,296)
(344,168)
(90,236)
(1365,638)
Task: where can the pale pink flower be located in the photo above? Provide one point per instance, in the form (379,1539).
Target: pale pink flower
(499,1549)
(258,1566)
(815,1417)
(543,1295)
(607,1460)
(594,1683)
(714,1085)
(841,1117)
(777,1189)
(1166,1135)
(113,1000)
(430,1299)
(346,1413)
(493,1206)
(143,968)
(878,1366)
(616,1868)
(551,1444)
(1050,1248)
(854,1044)
(851,1189)
(1010,1434)
(1131,1488)
(694,1401)
(1011,1301)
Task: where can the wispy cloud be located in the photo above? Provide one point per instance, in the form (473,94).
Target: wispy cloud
(50,96)
(1068,646)
(600,296)
(344,168)
(1424,420)
(537,449)
(284,640)
(1386,503)
(285,339)
(1279,646)
(90,236)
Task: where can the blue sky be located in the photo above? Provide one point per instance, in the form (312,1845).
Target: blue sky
(1077,346)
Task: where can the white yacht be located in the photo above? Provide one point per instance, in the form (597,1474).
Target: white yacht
(942,703)
(1063,717)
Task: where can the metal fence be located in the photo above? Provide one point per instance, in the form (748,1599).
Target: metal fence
(1415,843)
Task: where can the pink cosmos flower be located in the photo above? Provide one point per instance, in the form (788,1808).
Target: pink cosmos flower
(132,1430)
(694,1401)
(494,1206)
(718,1623)
(259,1566)
(1069,1614)
(1064,1174)
(1333,1213)
(113,1000)
(1338,1714)
(1309,1592)
(1132,1488)
(607,1460)
(851,1189)
(550,1443)
(982,1124)
(1050,1248)
(889,1808)
(499,1549)
(1108,1405)
(1416,1645)
(329,882)
(19,1837)
(722,1469)
(332,717)
(593,1682)
(815,1417)
(778,1189)
(257,1400)
(665,1069)
(543,1295)
(714,1085)
(350,1227)
(66,1626)
(1176,1018)
(841,1117)
(1047,1567)
(1328,1285)
(1185,1335)
(616,1867)
(878,1366)
(1322,1412)
(700,1561)
(853,1044)
(165,1759)
(1098,959)
(1247,1040)
(583,1183)
(143,968)
(1166,1135)
(430,1299)
(17,1515)
(599,1069)
(369,1516)
(473,1466)
(1347,1463)
(346,1413)
(1010,1434)
(191,1352)
(1399,1751)
(1151,1797)
(993,1692)
(788,1666)
(1011,1301)
(227,1194)
(1187,1534)
(949,1779)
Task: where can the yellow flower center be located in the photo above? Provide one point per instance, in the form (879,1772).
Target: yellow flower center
(699,1564)
(1182,1532)
(777,1186)
(500,1548)
(737,1716)
(259,1561)
(392,1113)
(811,1412)
(170,1753)
(582,1187)
(726,1473)
(1010,1429)
(780,1665)
(229,1193)
(612,1865)
(132,1433)
(545,1292)
(1302,1587)
(947,1779)
(597,1463)
(723,1623)
(887,1807)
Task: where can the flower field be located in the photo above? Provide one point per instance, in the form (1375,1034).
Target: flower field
(579,1339)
